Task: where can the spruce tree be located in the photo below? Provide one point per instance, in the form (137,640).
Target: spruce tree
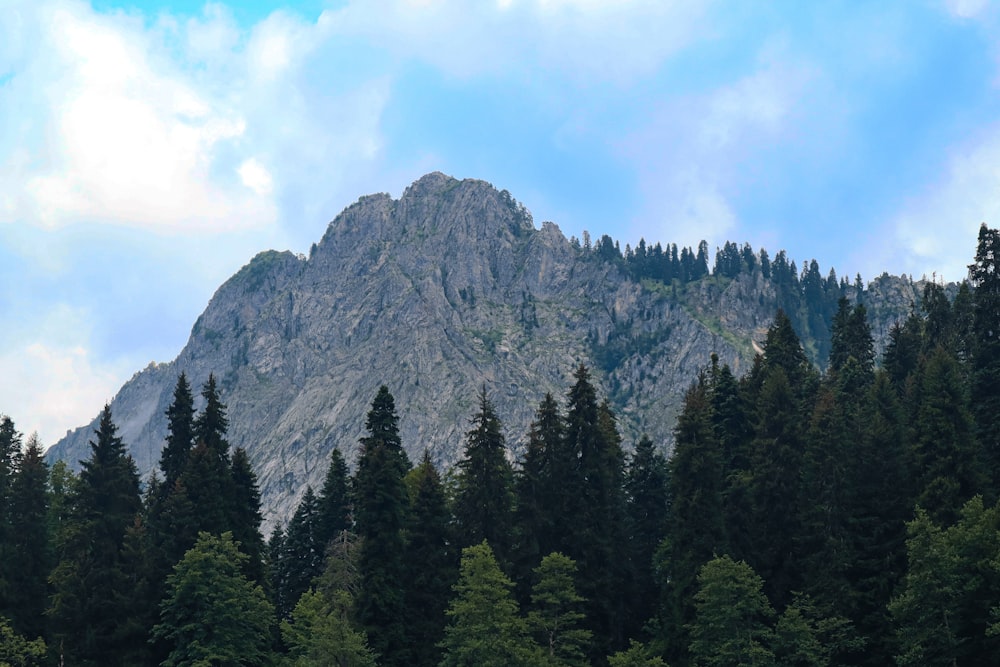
(485,628)
(647,507)
(180,433)
(10,451)
(212,614)
(32,553)
(245,516)
(381,504)
(211,425)
(484,501)
(334,502)
(984,274)
(301,555)
(91,586)
(431,563)
(555,616)
(732,624)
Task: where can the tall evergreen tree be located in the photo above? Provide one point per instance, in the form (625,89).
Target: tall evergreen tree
(984,274)
(484,501)
(301,556)
(212,614)
(535,517)
(732,623)
(381,505)
(431,564)
(245,516)
(91,586)
(591,431)
(334,501)
(485,628)
(947,456)
(212,424)
(647,505)
(10,450)
(180,433)
(32,554)
(555,617)
(695,532)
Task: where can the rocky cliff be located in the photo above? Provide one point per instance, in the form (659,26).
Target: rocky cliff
(449,288)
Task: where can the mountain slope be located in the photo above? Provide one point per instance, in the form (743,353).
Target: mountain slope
(435,294)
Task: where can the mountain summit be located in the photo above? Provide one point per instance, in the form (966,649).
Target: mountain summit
(436,294)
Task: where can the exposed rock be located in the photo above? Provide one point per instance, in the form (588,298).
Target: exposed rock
(446,289)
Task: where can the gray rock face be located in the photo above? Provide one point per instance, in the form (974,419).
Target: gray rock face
(447,289)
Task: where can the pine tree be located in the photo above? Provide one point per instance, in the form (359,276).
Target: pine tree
(32,553)
(10,450)
(319,633)
(212,424)
(245,516)
(301,555)
(591,431)
(485,628)
(381,504)
(695,530)
(89,581)
(984,274)
(334,503)
(647,507)
(947,457)
(555,617)
(732,618)
(535,516)
(212,614)
(484,501)
(180,433)
(431,563)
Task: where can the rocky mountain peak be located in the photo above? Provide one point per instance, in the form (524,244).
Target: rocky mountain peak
(436,294)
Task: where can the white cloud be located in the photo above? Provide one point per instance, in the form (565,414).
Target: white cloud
(256,177)
(53,382)
(693,152)
(588,41)
(966,9)
(936,232)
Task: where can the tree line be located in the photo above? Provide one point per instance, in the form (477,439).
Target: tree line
(847,517)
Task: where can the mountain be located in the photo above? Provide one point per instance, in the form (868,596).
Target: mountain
(449,288)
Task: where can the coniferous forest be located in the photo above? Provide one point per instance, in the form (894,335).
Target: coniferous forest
(848,517)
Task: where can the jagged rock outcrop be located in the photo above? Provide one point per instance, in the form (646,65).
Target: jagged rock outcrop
(435,294)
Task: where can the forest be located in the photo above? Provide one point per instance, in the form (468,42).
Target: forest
(847,517)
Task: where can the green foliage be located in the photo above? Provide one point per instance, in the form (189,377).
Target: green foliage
(943,612)
(319,634)
(334,503)
(180,433)
(431,563)
(732,618)
(554,617)
(90,600)
(16,651)
(382,504)
(637,655)
(212,614)
(32,555)
(485,629)
(484,500)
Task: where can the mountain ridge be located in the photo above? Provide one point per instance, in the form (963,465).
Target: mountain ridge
(435,294)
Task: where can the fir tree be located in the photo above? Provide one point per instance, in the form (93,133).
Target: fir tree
(485,497)
(485,628)
(555,617)
(245,516)
(212,614)
(334,503)
(381,504)
(32,553)
(301,554)
(984,273)
(319,633)
(90,584)
(431,563)
(180,433)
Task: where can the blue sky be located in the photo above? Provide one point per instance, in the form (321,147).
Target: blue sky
(148,149)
